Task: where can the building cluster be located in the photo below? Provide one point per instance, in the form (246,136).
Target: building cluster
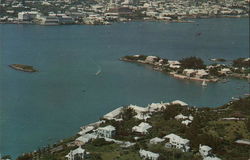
(108,133)
(105,12)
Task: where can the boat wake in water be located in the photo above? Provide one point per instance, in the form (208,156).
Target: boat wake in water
(99,71)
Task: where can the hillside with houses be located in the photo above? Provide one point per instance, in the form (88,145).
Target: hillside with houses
(159,131)
(61,12)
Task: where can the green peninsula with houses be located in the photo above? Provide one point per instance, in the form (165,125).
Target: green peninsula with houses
(159,131)
(193,68)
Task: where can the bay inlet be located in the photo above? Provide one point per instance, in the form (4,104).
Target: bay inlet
(42,108)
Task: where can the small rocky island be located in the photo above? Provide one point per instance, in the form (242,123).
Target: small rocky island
(193,68)
(22,67)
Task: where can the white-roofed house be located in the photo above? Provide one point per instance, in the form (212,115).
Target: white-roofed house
(148,155)
(107,132)
(142,116)
(180,116)
(177,142)
(86,129)
(156,140)
(186,122)
(141,128)
(84,139)
(205,151)
(113,114)
(179,102)
(138,109)
(156,107)
(77,154)
(211,158)
(201,73)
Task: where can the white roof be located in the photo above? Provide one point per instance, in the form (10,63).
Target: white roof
(138,109)
(141,116)
(156,106)
(174,62)
(189,70)
(108,128)
(205,148)
(179,102)
(156,140)
(211,158)
(176,138)
(85,138)
(225,69)
(243,141)
(113,113)
(148,154)
(79,150)
(180,116)
(202,72)
(191,117)
(86,129)
(142,127)
(186,122)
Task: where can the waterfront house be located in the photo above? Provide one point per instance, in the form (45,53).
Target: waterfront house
(156,140)
(189,72)
(113,114)
(86,129)
(27,16)
(148,155)
(179,102)
(157,106)
(178,142)
(141,128)
(77,154)
(107,132)
(50,20)
(201,73)
(225,71)
(138,109)
(84,139)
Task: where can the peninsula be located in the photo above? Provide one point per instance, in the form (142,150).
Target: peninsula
(22,67)
(193,68)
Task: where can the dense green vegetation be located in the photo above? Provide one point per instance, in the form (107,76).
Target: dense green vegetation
(241,62)
(192,63)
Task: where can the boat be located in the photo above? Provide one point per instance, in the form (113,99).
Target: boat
(204,83)
(98,72)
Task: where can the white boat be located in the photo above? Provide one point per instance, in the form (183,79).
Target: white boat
(98,72)
(204,83)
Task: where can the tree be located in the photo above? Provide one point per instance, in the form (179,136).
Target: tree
(241,62)
(128,113)
(192,63)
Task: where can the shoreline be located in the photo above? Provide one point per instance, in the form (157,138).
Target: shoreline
(173,69)
(154,108)
(190,19)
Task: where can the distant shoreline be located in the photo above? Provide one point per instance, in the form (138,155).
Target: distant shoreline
(189,19)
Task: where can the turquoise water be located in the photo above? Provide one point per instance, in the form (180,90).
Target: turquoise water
(41,108)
